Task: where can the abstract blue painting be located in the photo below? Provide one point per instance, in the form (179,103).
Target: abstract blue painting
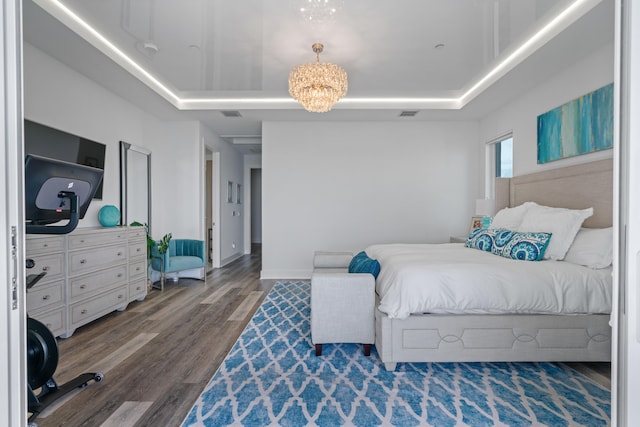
(581,126)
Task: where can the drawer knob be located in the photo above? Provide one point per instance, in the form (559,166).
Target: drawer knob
(83,286)
(81,240)
(119,253)
(119,274)
(83,261)
(137,268)
(120,296)
(138,250)
(138,288)
(83,311)
(45,245)
(45,297)
(45,268)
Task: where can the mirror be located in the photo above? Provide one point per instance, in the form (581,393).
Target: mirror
(135,184)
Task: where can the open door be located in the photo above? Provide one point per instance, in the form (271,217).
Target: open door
(13,376)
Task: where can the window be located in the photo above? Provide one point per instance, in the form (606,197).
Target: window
(504,157)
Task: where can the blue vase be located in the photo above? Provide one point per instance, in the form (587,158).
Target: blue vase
(109,216)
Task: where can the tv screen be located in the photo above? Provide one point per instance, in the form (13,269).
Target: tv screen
(41,140)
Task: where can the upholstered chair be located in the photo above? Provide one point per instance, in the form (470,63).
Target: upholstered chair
(182,254)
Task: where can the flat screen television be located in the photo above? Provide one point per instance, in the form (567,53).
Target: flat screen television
(44,141)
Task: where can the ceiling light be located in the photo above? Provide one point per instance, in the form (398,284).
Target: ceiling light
(317,86)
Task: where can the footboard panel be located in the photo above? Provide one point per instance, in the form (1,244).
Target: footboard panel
(481,338)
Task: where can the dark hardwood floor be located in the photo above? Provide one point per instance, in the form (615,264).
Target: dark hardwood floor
(158,354)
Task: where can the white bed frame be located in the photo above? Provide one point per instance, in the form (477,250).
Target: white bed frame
(476,338)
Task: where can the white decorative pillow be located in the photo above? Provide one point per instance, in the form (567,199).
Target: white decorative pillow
(510,218)
(563,224)
(592,247)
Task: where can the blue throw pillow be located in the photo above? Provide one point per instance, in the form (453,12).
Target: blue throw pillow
(520,246)
(482,239)
(361,263)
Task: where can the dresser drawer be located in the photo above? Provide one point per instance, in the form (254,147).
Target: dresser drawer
(52,264)
(137,289)
(86,285)
(48,244)
(86,311)
(97,238)
(53,320)
(82,261)
(138,249)
(138,269)
(47,295)
(137,233)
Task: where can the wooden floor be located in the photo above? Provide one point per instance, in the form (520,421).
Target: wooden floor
(158,354)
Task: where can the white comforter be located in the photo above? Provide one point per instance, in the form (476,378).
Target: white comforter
(450,278)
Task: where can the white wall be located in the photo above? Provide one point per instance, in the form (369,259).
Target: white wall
(57,96)
(520,115)
(337,185)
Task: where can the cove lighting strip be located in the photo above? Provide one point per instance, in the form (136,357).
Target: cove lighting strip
(544,33)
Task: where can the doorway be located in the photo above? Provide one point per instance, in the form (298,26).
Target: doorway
(212,211)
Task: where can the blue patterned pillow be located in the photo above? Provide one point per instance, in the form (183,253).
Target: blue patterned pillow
(482,239)
(361,263)
(519,245)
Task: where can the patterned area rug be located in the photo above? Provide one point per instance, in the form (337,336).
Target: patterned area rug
(272,377)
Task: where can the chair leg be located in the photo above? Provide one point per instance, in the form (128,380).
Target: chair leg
(162,279)
(367,350)
(318,349)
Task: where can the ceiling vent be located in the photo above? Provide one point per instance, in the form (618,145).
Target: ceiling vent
(408,113)
(231,113)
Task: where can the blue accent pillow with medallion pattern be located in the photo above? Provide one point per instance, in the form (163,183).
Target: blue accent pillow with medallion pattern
(529,246)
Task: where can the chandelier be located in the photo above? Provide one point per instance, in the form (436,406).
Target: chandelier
(317,86)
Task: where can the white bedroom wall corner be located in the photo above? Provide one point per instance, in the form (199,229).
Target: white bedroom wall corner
(590,73)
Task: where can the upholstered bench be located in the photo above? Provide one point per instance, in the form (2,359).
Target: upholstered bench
(342,303)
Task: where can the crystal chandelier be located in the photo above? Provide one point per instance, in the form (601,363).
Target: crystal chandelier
(317,86)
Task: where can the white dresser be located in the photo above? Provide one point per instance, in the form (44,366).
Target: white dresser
(90,272)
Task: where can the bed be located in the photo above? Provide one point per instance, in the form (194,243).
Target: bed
(529,329)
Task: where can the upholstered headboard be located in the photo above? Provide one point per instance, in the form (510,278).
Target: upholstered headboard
(575,187)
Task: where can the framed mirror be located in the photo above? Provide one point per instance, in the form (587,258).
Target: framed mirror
(135,184)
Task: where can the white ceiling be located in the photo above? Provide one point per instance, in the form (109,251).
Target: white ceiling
(198,58)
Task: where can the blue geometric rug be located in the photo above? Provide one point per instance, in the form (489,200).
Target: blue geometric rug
(272,377)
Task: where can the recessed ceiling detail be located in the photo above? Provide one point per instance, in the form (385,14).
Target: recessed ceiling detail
(243,58)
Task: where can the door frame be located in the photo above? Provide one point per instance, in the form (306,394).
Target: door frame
(13,375)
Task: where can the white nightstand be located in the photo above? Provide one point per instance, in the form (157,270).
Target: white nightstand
(457,239)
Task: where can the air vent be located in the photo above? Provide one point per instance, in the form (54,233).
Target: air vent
(231,113)
(408,113)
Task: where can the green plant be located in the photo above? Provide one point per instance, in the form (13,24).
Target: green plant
(150,242)
(163,244)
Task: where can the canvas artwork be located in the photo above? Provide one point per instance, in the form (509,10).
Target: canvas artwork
(582,126)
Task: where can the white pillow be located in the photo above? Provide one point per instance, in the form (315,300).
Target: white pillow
(510,218)
(592,247)
(563,224)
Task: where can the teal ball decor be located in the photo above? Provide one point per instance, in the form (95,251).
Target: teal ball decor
(109,216)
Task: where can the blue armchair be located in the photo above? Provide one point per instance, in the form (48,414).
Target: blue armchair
(182,254)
